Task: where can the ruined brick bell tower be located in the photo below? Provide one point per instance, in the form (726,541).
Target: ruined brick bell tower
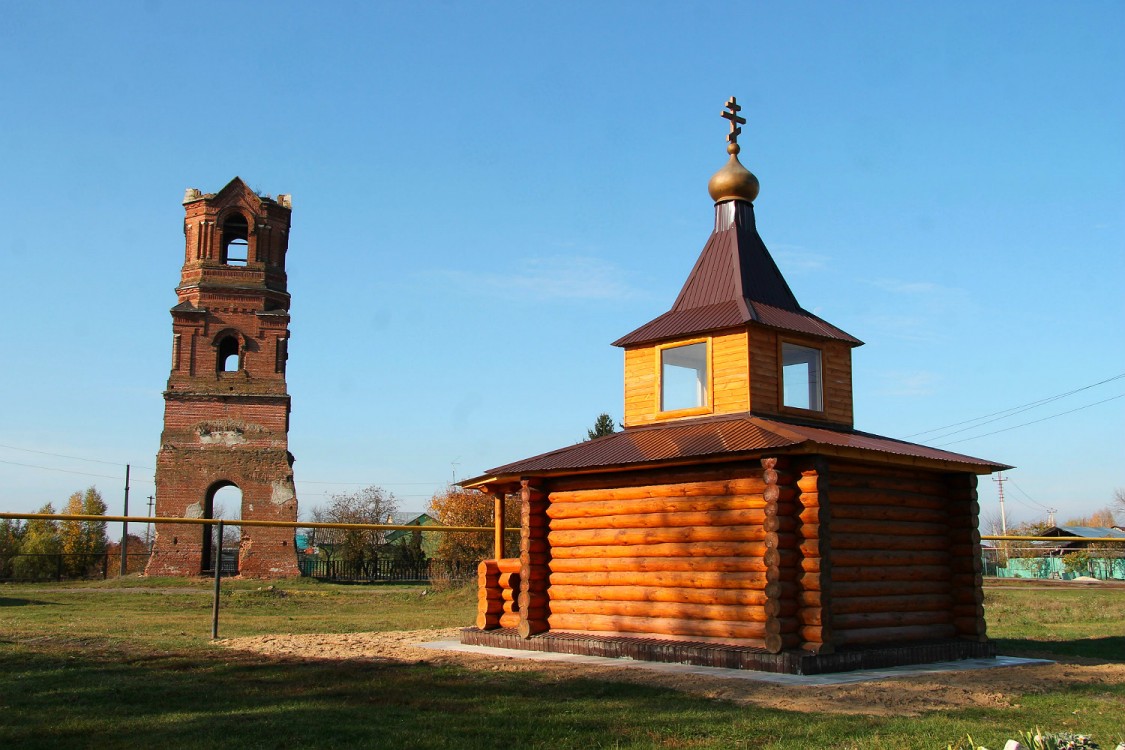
(226,409)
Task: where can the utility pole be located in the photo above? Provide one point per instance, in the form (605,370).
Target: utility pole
(125,526)
(999,479)
(148,526)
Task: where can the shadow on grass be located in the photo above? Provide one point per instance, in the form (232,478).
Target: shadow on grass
(17,602)
(71,698)
(1109,649)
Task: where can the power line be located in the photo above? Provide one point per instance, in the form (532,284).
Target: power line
(74,458)
(1034,421)
(1012,411)
(64,471)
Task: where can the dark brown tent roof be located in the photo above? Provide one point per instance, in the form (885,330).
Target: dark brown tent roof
(728,437)
(734,282)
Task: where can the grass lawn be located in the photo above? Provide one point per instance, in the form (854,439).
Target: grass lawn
(92,665)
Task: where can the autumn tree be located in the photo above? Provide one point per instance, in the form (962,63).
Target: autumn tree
(82,541)
(1100,518)
(1119,502)
(39,547)
(603,426)
(11,537)
(372,505)
(455,506)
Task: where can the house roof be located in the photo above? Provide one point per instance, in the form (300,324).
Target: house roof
(1085,531)
(730,437)
(735,281)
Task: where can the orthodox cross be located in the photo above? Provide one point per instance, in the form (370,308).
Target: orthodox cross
(731,113)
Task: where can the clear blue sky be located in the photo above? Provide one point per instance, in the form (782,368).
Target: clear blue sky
(486,195)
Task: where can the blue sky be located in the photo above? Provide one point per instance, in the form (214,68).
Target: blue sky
(486,195)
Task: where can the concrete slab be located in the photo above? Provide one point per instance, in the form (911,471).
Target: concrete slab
(838,678)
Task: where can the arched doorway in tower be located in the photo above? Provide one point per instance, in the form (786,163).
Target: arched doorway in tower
(224,500)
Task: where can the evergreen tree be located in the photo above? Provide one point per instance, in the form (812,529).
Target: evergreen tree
(603,426)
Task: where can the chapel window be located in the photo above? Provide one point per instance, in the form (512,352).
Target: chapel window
(801,377)
(683,377)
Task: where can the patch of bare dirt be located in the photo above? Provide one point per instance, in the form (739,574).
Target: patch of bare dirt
(904,696)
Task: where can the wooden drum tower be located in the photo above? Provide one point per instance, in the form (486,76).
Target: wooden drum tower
(226,408)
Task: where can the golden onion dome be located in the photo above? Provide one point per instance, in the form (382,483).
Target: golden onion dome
(733,181)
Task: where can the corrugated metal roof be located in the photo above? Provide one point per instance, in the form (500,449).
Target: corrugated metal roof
(1085,531)
(720,436)
(734,281)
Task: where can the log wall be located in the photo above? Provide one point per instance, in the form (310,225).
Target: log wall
(901,556)
(682,559)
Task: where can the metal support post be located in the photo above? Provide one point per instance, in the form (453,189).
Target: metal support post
(218,575)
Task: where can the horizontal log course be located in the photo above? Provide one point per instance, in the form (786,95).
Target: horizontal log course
(660,626)
(774,494)
(867,620)
(811,633)
(906,575)
(968,610)
(886,541)
(729,564)
(810,564)
(490,607)
(751,485)
(970,625)
(509,620)
(906,602)
(780,608)
(510,606)
(809,582)
(781,625)
(809,599)
(967,596)
(508,565)
(844,589)
(778,477)
(678,594)
(657,505)
(488,568)
(810,616)
(509,580)
(692,534)
(509,595)
(491,593)
(719,612)
(780,590)
(538,613)
(864,526)
(534,546)
(782,524)
(684,579)
(810,516)
(884,558)
(780,540)
(807,531)
(488,621)
(809,500)
(775,643)
(966,565)
(855,511)
(712,549)
(868,498)
(741,517)
(783,558)
(902,634)
(963,581)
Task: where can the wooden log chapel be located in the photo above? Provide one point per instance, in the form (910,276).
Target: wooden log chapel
(739,519)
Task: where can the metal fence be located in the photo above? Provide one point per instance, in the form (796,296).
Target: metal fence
(386,570)
(1054,563)
(68,566)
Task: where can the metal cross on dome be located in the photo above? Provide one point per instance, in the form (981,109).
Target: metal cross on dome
(731,113)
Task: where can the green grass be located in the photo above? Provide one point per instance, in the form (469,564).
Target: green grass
(91,665)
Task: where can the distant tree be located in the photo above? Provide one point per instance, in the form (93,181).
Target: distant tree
(136,550)
(455,506)
(11,537)
(39,547)
(1099,518)
(603,426)
(81,542)
(372,505)
(1119,503)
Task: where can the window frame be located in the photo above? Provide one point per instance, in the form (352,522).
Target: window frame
(708,406)
(782,406)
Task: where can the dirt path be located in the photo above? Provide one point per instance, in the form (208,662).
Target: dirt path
(906,696)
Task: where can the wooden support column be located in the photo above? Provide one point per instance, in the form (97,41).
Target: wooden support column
(535,558)
(965,557)
(498,524)
(814,594)
(781,570)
